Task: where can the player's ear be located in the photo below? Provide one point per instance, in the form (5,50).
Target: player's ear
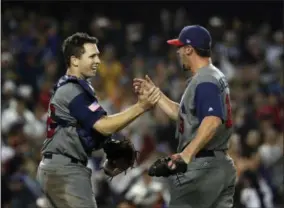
(188,50)
(74,61)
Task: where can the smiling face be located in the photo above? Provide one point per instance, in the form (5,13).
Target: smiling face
(89,61)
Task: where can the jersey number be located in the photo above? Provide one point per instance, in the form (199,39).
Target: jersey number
(50,124)
(181,125)
(229,121)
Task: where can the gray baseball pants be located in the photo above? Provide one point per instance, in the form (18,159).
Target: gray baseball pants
(66,184)
(208,183)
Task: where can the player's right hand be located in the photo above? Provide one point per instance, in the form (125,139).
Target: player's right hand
(141,85)
(149,98)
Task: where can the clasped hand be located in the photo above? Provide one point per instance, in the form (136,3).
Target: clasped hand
(148,93)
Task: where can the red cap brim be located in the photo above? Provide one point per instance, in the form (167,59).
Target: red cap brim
(175,42)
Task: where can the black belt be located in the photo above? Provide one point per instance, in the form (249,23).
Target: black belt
(73,160)
(206,153)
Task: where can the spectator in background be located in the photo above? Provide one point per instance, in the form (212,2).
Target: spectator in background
(143,191)
(8,94)
(18,113)
(45,93)
(255,192)
(110,71)
(272,148)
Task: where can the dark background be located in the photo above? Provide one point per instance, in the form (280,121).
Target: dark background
(255,12)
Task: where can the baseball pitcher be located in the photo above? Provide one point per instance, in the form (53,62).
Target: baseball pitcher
(201,174)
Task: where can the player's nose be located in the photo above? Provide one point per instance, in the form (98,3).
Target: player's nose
(97,60)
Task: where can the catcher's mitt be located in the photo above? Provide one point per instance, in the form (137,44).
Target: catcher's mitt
(166,166)
(120,155)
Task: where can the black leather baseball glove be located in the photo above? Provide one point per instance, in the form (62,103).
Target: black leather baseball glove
(120,155)
(166,166)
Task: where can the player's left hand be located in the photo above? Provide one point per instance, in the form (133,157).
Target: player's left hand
(182,156)
(167,166)
(142,85)
(149,98)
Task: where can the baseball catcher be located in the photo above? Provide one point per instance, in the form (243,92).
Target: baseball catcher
(77,125)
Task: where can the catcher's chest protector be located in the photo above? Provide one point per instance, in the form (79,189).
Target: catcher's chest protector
(90,140)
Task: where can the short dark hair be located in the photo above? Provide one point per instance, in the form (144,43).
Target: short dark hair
(74,45)
(203,52)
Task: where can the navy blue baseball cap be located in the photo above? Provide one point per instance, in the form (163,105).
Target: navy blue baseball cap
(194,35)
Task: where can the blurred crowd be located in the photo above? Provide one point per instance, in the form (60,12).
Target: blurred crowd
(250,55)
